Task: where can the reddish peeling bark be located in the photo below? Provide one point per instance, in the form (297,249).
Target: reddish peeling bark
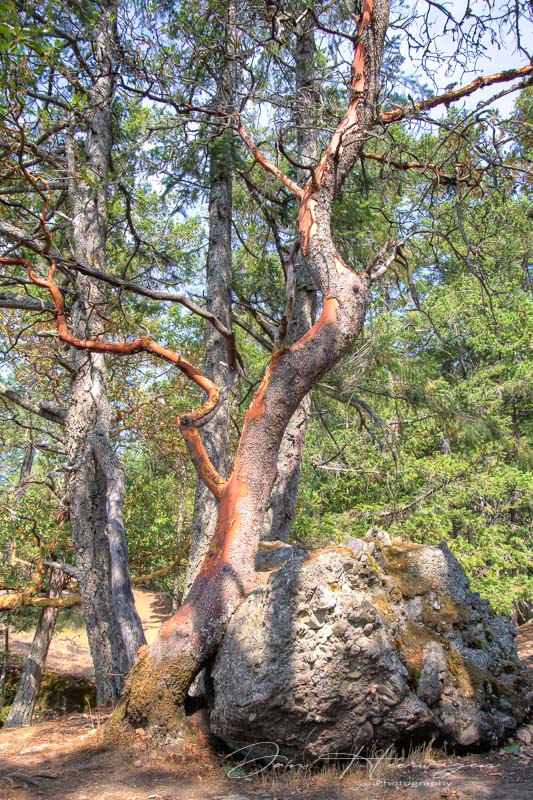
(159,681)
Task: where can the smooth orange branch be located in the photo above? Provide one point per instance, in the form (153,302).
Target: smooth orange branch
(206,471)
(265,163)
(188,422)
(307,217)
(456,94)
(143,344)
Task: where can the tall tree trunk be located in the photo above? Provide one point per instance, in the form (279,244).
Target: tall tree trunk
(30,683)
(10,550)
(4,656)
(177,586)
(20,491)
(218,286)
(158,683)
(96,485)
(282,506)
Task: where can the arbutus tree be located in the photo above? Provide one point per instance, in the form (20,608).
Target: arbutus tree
(159,681)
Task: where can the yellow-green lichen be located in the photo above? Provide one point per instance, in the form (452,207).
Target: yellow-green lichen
(443,612)
(412,641)
(400,568)
(154,698)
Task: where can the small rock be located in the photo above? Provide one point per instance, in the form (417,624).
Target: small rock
(231,797)
(314,623)
(524,735)
(340,627)
(433,674)
(355,544)
(324,599)
(381,536)
(138,763)
(367,630)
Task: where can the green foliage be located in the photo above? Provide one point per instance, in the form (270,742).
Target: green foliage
(446,368)
(433,440)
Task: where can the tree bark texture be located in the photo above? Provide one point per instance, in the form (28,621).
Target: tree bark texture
(10,549)
(96,485)
(218,287)
(281,510)
(157,685)
(177,585)
(30,683)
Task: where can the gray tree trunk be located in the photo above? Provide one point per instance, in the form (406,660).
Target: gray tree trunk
(219,273)
(178,569)
(4,658)
(20,491)
(10,549)
(96,485)
(281,510)
(30,683)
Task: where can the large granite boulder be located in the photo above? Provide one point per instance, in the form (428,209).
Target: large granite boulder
(373,642)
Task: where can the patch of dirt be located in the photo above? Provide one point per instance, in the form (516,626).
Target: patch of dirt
(69,651)
(524,643)
(61,757)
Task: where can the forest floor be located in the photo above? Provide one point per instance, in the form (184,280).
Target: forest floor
(62,757)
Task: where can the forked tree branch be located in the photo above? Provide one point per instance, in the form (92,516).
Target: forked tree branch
(26,239)
(441,177)
(190,422)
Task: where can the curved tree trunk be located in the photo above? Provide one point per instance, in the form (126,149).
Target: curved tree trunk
(96,484)
(218,286)
(30,683)
(158,683)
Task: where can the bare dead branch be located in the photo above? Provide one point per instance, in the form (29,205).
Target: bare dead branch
(18,301)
